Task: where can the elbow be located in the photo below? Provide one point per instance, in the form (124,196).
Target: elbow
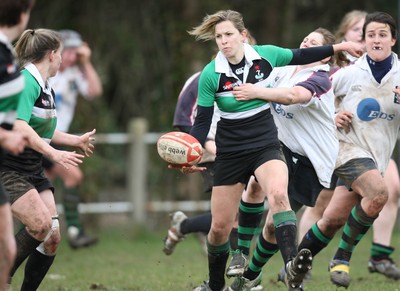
(289,99)
(92,94)
(293,96)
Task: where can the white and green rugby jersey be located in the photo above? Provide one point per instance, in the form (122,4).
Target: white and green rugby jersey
(37,108)
(37,105)
(217,80)
(244,124)
(11,83)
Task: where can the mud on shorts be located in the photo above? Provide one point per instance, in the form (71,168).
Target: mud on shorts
(17,184)
(237,167)
(353,169)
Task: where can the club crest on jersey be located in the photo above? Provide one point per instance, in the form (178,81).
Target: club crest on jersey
(258,75)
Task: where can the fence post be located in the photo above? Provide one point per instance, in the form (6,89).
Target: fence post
(137,168)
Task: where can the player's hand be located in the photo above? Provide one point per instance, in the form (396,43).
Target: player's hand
(66,158)
(343,120)
(245,92)
(86,141)
(355,49)
(12,141)
(84,53)
(187,169)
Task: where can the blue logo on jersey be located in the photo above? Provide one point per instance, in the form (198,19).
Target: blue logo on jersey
(369,109)
(279,110)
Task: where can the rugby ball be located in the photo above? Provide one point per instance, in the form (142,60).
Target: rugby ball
(179,148)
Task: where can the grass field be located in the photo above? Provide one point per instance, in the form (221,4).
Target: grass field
(128,259)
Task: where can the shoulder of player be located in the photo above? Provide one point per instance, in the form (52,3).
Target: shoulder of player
(31,84)
(269,49)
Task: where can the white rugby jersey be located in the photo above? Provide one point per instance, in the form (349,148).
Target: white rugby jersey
(67,85)
(375,125)
(308,128)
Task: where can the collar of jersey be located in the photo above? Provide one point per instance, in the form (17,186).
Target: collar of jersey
(222,65)
(31,68)
(363,63)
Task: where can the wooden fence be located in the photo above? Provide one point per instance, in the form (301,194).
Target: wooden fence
(138,204)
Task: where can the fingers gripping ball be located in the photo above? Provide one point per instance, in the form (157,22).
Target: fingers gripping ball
(179,148)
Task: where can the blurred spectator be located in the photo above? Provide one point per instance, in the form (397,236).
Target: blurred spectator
(75,77)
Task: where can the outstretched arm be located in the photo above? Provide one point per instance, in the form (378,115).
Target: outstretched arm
(64,158)
(286,96)
(83,142)
(313,54)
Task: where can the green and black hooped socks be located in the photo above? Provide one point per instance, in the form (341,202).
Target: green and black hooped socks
(380,252)
(249,218)
(355,228)
(314,240)
(263,252)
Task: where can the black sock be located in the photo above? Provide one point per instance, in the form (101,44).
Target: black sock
(217,258)
(35,270)
(26,244)
(198,223)
(314,240)
(233,238)
(285,233)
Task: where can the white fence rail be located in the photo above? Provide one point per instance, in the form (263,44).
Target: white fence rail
(137,138)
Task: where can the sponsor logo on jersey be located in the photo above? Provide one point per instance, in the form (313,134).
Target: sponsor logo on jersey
(11,69)
(46,103)
(239,71)
(279,110)
(369,109)
(229,85)
(356,88)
